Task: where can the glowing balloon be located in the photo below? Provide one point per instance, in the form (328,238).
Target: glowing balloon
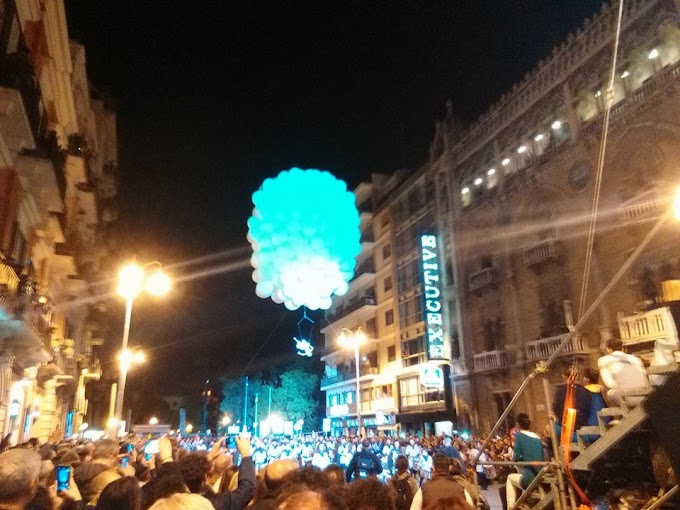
(305,236)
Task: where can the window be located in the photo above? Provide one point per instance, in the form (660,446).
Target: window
(370,327)
(391,353)
(389,317)
(413,351)
(387,284)
(385,221)
(386,251)
(349,397)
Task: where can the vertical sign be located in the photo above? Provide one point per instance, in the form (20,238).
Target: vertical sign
(432,295)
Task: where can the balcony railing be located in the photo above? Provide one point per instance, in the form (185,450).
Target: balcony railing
(348,375)
(643,207)
(646,326)
(541,252)
(352,306)
(490,360)
(481,279)
(545,347)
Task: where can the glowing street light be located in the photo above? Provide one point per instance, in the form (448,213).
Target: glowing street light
(226,420)
(354,340)
(132,280)
(189,428)
(153,421)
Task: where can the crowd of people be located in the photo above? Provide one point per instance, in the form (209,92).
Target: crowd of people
(319,472)
(301,472)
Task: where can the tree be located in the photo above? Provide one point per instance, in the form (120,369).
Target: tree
(233,391)
(295,396)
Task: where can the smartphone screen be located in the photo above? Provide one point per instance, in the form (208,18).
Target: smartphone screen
(151,446)
(124,461)
(63,478)
(130,447)
(148,456)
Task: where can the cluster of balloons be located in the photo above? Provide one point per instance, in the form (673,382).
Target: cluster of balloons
(305,236)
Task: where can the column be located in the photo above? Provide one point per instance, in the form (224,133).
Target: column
(48,419)
(5,386)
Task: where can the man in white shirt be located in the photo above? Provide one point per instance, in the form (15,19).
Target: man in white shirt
(620,372)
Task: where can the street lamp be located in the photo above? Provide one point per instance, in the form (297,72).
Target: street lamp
(354,340)
(153,421)
(132,280)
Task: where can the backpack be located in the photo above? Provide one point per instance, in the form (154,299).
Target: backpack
(364,465)
(404,494)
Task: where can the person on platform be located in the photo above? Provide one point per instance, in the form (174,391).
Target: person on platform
(620,372)
(528,447)
(582,401)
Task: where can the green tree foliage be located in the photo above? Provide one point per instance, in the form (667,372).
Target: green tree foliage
(295,395)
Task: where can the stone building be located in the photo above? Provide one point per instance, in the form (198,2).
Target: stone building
(58,166)
(521,182)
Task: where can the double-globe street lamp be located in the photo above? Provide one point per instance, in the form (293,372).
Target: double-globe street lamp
(354,340)
(132,280)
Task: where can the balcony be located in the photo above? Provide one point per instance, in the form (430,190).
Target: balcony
(647,327)
(545,347)
(352,306)
(348,375)
(541,252)
(646,206)
(481,279)
(490,360)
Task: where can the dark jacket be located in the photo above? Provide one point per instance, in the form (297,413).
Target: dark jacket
(582,404)
(441,486)
(239,498)
(353,468)
(84,474)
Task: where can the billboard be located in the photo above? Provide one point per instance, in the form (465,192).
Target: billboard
(432,294)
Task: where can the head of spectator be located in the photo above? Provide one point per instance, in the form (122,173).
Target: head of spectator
(19,475)
(336,476)
(401,464)
(365,444)
(369,494)
(300,498)
(440,464)
(67,457)
(121,494)
(613,344)
(98,484)
(85,452)
(277,471)
(309,476)
(452,502)
(591,375)
(195,468)
(447,441)
(523,421)
(183,501)
(46,469)
(106,452)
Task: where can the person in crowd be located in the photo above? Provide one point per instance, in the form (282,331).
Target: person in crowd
(183,501)
(122,494)
(364,463)
(620,372)
(369,494)
(482,477)
(91,477)
(195,468)
(528,447)
(441,486)
(425,465)
(273,482)
(19,475)
(451,451)
(336,476)
(450,503)
(478,501)
(301,498)
(403,483)
(321,459)
(582,401)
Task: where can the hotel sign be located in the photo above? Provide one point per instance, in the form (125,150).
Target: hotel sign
(432,294)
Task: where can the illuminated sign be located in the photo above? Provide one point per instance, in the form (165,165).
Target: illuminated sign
(432,377)
(432,293)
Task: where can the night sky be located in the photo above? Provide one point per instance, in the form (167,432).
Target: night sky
(212,100)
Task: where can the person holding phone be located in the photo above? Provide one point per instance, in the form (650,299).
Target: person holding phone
(65,488)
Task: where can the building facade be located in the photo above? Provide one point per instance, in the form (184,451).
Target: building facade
(479,255)
(58,178)
(521,183)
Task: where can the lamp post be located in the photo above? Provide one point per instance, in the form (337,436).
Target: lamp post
(354,340)
(132,280)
